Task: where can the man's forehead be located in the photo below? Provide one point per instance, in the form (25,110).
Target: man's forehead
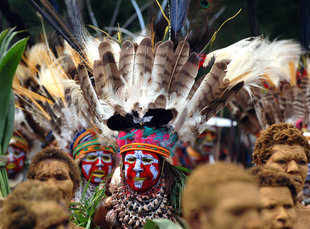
(232,190)
(140,153)
(288,154)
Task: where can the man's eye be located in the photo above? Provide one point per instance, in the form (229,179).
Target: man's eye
(147,160)
(237,212)
(270,207)
(301,162)
(131,159)
(280,162)
(91,157)
(16,153)
(42,179)
(288,206)
(61,177)
(106,158)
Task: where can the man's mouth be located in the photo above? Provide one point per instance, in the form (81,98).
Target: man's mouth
(297,179)
(11,166)
(139,178)
(98,173)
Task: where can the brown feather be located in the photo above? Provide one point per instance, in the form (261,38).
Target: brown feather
(220,102)
(163,63)
(88,90)
(289,111)
(185,78)
(143,61)
(180,58)
(105,46)
(195,87)
(99,78)
(203,96)
(307,97)
(298,103)
(160,101)
(111,74)
(126,61)
(181,120)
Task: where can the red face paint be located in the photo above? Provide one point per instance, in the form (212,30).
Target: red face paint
(142,169)
(98,163)
(16,160)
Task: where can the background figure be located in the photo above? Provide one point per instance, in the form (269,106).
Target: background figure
(57,168)
(17,155)
(37,205)
(95,160)
(221,196)
(278,197)
(284,147)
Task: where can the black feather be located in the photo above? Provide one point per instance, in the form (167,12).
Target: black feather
(178,11)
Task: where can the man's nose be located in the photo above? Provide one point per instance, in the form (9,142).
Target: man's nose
(292,167)
(282,215)
(137,167)
(99,161)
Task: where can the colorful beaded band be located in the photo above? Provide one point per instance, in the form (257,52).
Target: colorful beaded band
(91,146)
(19,141)
(144,146)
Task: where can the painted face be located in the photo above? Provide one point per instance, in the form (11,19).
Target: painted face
(142,169)
(16,160)
(57,173)
(237,207)
(99,164)
(292,160)
(277,207)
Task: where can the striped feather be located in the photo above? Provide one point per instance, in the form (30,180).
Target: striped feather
(126,62)
(185,78)
(112,79)
(162,67)
(143,62)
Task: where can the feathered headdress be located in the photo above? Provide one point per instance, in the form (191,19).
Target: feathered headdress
(55,102)
(273,99)
(140,89)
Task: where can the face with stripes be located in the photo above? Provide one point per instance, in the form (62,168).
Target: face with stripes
(16,159)
(142,169)
(97,165)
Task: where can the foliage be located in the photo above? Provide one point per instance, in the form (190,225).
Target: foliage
(180,179)
(82,212)
(9,60)
(160,224)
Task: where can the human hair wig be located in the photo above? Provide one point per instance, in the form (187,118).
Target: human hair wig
(278,134)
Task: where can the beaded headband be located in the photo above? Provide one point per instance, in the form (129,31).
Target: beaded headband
(144,146)
(86,142)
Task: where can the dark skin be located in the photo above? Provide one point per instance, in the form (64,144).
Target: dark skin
(102,210)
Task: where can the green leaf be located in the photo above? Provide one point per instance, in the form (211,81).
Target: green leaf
(183,169)
(4,184)
(160,224)
(9,124)
(150,224)
(2,36)
(8,67)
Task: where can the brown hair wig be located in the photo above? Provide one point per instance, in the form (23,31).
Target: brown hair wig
(278,134)
(271,177)
(55,154)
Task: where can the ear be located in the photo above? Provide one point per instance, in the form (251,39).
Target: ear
(194,219)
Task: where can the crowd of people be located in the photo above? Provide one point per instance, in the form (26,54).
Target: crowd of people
(100,136)
(220,195)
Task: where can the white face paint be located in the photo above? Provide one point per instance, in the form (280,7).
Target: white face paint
(98,164)
(141,166)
